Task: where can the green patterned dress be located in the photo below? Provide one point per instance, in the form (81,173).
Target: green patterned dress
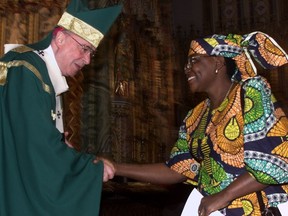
(247,132)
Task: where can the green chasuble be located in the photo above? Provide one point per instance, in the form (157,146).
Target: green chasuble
(39,174)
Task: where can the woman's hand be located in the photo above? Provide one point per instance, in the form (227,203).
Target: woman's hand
(212,203)
(243,185)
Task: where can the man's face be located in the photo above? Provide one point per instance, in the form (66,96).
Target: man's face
(73,52)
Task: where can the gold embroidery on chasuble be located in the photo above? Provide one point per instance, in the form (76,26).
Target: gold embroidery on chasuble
(3,73)
(4,66)
(86,31)
(22,49)
(225,129)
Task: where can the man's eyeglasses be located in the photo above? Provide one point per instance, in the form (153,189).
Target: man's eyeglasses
(85,49)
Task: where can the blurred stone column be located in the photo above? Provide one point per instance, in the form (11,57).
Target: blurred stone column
(121,130)
(96,130)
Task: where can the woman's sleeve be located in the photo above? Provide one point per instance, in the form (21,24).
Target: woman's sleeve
(265,133)
(181,159)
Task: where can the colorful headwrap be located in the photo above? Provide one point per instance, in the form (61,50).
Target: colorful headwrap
(261,46)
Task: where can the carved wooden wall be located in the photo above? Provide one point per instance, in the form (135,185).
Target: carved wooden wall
(25,22)
(140,81)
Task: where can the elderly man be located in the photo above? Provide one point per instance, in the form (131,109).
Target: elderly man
(39,173)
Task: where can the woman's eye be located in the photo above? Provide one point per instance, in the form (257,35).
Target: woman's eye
(195,59)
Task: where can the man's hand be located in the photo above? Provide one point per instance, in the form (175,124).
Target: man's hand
(109,169)
(68,143)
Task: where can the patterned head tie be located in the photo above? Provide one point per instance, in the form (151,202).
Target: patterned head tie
(260,46)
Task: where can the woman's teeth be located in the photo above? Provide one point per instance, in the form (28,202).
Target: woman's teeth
(190,78)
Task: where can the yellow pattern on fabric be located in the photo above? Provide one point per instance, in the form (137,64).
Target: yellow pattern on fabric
(280,129)
(197,48)
(181,167)
(247,206)
(232,130)
(201,112)
(3,73)
(249,203)
(206,151)
(193,120)
(248,105)
(212,176)
(238,38)
(271,53)
(22,49)
(285,188)
(212,41)
(244,66)
(224,130)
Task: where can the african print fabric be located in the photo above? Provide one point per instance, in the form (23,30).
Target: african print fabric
(216,146)
(257,45)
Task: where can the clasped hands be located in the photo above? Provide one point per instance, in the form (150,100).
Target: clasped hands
(109,169)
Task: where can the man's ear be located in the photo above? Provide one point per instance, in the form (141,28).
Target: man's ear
(60,38)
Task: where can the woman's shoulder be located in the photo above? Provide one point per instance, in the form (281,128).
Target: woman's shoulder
(256,80)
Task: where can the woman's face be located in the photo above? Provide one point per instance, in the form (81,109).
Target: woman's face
(200,72)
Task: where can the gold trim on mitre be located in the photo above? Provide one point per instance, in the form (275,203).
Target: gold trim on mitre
(81,28)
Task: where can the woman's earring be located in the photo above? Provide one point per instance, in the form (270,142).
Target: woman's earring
(216,71)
